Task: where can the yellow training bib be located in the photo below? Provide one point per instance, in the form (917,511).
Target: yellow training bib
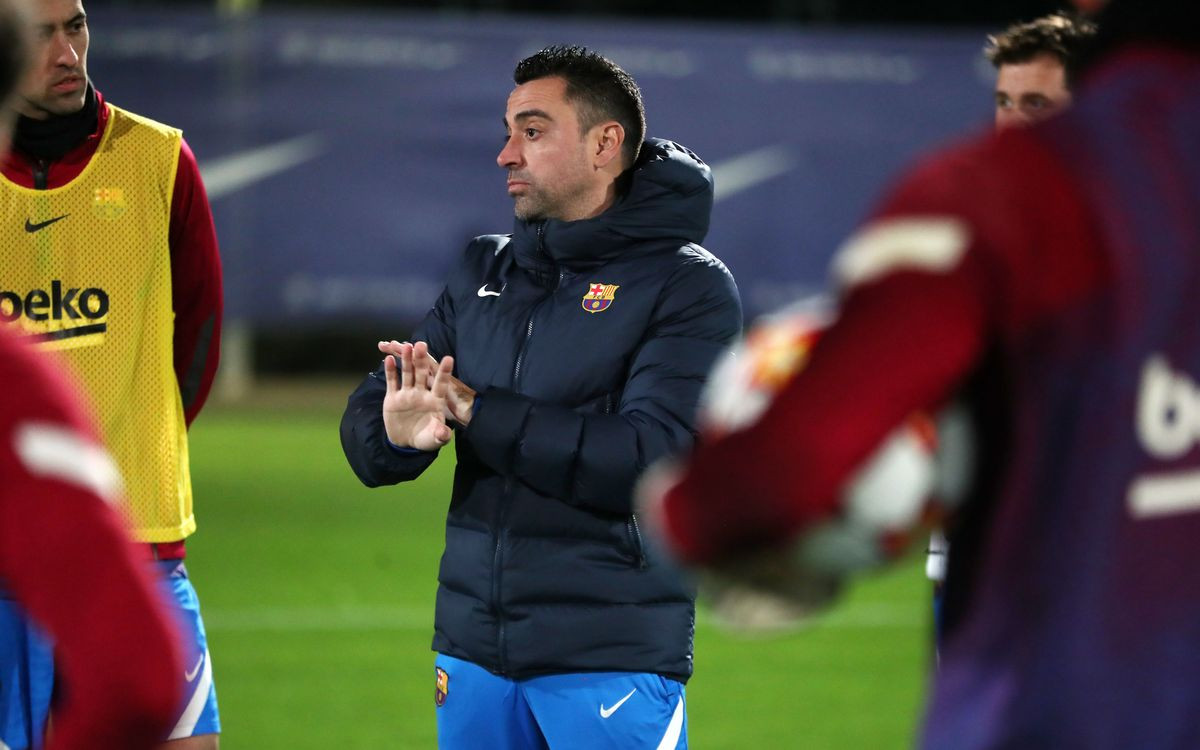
(85,269)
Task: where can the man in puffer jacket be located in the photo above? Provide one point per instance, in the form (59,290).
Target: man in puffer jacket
(568,355)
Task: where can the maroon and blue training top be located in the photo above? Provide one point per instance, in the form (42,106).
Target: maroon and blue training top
(1049,277)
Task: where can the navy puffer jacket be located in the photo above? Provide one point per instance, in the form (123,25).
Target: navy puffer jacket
(589,363)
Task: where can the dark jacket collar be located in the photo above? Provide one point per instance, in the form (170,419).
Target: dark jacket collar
(54,137)
(667,203)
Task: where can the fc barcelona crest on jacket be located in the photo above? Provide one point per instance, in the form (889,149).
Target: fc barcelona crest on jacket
(599,297)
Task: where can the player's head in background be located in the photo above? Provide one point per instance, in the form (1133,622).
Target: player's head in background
(575,122)
(56,81)
(1036,67)
(14,58)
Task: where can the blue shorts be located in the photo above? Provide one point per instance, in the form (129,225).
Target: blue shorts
(199,714)
(574,711)
(26,672)
(27,668)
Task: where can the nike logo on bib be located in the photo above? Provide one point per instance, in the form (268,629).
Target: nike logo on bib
(31,227)
(607,712)
(483,292)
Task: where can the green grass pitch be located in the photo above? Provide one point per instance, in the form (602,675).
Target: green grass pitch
(318,596)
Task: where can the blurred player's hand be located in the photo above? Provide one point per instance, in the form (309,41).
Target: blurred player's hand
(415,405)
(770,590)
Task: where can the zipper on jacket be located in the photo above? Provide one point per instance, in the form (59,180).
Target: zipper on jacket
(497,560)
(559,272)
(516,379)
(521,352)
(41,170)
(635,534)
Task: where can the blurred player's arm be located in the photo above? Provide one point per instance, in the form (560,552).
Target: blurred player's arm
(899,344)
(910,323)
(593,459)
(65,556)
(925,287)
(196,288)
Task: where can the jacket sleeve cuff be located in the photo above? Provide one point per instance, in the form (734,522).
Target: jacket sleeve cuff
(403,450)
(497,422)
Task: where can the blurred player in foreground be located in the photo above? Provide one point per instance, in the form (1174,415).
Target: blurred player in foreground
(66,557)
(1036,71)
(109,257)
(64,554)
(1050,274)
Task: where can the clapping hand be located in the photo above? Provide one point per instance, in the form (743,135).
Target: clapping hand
(415,406)
(459,398)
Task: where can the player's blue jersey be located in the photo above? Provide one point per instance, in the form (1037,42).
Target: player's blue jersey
(1073,610)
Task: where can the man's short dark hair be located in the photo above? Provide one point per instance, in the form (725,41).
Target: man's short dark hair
(13,47)
(1061,35)
(597,87)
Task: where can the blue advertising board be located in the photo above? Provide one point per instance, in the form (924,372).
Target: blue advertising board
(350,156)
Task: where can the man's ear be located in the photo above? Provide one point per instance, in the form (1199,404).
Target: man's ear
(608,140)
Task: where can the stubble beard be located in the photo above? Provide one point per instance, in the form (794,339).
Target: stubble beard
(560,195)
(50,105)
(529,207)
(537,205)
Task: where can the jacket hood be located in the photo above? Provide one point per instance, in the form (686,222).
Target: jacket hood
(667,201)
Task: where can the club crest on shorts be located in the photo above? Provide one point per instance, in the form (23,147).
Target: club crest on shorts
(441,687)
(599,297)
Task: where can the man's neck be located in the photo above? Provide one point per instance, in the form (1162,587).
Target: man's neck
(594,204)
(49,138)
